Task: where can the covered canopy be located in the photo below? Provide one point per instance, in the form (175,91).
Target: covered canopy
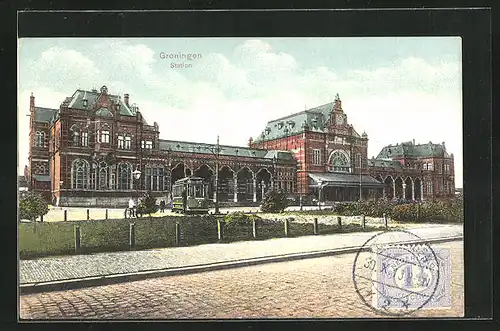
(344,180)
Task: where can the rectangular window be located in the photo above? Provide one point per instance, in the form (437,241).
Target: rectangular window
(76,139)
(127,142)
(105,137)
(121,144)
(430,166)
(85,139)
(316,156)
(147,144)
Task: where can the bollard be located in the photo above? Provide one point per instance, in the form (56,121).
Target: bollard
(315,225)
(77,238)
(132,235)
(125,213)
(254,228)
(106,213)
(339,222)
(286,227)
(363,222)
(177,234)
(219,229)
(41,218)
(65,215)
(385,221)
(88,214)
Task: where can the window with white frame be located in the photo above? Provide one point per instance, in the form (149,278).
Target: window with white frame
(40,139)
(340,162)
(316,156)
(79,174)
(147,144)
(85,139)
(127,143)
(358,160)
(105,136)
(338,140)
(76,138)
(429,187)
(121,143)
(124,176)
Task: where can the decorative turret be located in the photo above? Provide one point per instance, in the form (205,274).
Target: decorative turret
(250,141)
(337,106)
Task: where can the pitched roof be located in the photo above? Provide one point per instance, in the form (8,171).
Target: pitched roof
(44,115)
(386,163)
(76,101)
(203,148)
(314,119)
(409,149)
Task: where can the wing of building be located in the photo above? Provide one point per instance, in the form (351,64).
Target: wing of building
(85,152)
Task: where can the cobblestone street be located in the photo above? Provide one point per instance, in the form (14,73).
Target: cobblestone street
(320,287)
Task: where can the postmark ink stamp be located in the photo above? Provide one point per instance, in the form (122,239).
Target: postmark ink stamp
(397,273)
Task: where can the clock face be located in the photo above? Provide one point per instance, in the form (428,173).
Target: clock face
(340,119)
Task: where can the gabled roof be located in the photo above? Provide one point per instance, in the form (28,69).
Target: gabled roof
(202,148)
(315,119)
(408,149)
(76,101)
(44,115)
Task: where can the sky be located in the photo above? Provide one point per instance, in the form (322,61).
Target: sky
(394,88)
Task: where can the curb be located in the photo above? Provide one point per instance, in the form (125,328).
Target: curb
(71,284)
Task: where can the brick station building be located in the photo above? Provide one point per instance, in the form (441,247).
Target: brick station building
(332,159)
(84,153)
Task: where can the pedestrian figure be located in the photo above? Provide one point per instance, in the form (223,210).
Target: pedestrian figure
(184,200)
(131,206)
(162,206)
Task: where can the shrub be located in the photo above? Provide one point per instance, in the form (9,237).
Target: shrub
(31,206)
(148,204)
(275,201)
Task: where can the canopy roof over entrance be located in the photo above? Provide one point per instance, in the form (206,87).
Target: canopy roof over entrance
(344,180)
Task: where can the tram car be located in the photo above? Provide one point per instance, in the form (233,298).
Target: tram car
(190,196)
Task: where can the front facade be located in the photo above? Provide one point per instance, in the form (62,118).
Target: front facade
(95,141)
(85,153)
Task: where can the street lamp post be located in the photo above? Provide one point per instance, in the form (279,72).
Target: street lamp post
(137,175)
(216,153)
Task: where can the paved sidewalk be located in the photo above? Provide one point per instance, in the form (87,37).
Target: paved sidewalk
(60,268)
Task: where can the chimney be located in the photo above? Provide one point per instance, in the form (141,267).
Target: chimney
(413,142)
(250,141)
(125,98)
(32,100)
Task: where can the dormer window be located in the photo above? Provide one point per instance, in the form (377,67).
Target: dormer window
(85,103)
(280,125)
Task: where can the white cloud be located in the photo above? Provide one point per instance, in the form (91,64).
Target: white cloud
(59,67)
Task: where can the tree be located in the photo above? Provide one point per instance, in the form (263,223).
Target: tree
(31,206)
(274,201)
(148,204)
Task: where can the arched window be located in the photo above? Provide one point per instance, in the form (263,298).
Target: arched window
(103,175)
(79,174)
(124,176)
(340,162)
